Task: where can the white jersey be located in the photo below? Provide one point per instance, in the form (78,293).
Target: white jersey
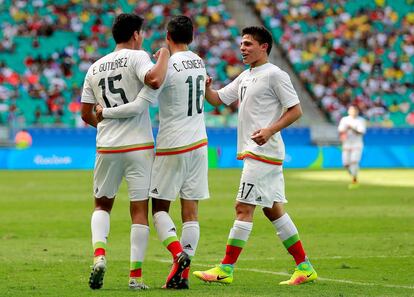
(113,80)
(263,92)
(181,103)
(354,129)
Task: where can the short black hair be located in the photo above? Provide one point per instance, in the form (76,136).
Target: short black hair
(261,35)
(125,25)
(181,29)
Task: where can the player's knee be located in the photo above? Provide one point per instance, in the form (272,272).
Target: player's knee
(244,212)
(189,214)
(104,203)
(160,205)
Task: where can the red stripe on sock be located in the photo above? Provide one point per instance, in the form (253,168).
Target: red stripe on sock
(99,252)
(232,254)
(175,248)
(185,273)
(296,250)
(135,273)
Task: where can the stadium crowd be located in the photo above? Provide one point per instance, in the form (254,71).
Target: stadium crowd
(345,52)
(54,44)
(350,52)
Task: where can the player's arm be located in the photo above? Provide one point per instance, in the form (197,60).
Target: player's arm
(88,102)
(212,95)
(292,114)
(88,115)
(359,128)
(131,109)
(156,75)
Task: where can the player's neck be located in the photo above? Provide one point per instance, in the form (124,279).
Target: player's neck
(175,48)
(259,62)
(124,45)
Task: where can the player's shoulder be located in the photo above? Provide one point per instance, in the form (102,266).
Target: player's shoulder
(276,72)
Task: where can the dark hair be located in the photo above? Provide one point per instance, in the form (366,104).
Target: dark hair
(261,35)
(125,25)
(181,29)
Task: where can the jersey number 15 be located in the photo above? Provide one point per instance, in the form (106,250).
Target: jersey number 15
(112,89)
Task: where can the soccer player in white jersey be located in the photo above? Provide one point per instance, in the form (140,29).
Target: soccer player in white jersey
(351,130)
(180,166)
(124,147)
(268,103)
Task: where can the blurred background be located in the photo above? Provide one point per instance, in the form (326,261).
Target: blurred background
(337,53)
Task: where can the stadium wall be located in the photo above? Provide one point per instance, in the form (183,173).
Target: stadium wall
(58,148)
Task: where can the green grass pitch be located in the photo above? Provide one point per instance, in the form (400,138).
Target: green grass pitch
(360,241)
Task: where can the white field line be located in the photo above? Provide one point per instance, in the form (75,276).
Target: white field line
(314,258)
(331,279)
(319,278)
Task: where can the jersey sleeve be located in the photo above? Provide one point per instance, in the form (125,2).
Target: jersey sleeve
(361,126)
(143,64)
(87,91)
(281,84)
(230,93)
(131,109)
(342,126)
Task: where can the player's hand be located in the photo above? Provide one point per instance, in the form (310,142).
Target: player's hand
(98,112)
(163,51)
(261,136)
(208,81)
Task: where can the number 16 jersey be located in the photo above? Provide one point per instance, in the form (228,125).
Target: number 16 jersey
(181,105)
(113,80)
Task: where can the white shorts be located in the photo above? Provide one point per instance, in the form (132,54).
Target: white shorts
(184,174)
(261,184)
(135,166)
(351,155)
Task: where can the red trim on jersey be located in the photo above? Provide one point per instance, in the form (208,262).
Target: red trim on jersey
(247,155)
(126,150)
(181,151)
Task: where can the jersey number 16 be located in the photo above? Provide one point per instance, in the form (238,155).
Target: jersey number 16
(199,94)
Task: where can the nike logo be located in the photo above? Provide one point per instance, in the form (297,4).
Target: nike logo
(309,274)
(221,277)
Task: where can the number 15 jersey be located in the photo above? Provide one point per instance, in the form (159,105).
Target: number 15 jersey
(181,104)
(113,80)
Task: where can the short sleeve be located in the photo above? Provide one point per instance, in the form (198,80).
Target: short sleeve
(342,125)
(282,86)
(142,63)
(230,93)
(362,127)
(87,91)
(150,94)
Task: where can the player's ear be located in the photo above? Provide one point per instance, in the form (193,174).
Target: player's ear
(168,37)
(264,46)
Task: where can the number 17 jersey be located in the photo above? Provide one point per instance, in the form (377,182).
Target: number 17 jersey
(181,104)
(113,80)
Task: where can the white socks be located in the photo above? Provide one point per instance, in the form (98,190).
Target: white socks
(190,236)
(100,226)
(139,242)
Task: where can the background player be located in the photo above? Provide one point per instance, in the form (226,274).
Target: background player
(180,166)
(124,147)
(263,92)
(351,130)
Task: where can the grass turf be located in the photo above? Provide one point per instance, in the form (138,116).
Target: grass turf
(360,241)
